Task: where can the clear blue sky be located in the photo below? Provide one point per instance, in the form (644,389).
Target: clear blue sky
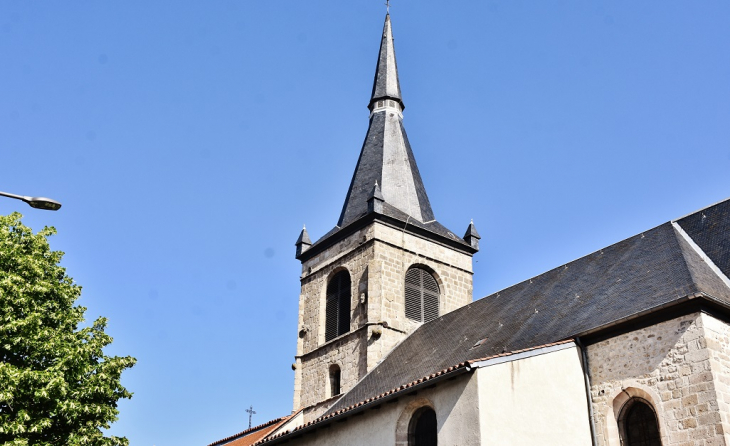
(189,142)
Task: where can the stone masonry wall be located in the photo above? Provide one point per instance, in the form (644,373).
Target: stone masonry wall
(377,258)
(668,364)
(348,352)
(395,252)
(314,355)
(353,255)
(717,338)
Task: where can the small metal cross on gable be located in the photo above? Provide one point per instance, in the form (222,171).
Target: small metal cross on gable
(250,414)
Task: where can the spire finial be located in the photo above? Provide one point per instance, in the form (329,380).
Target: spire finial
(387,7)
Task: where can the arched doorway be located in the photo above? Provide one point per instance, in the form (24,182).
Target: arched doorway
(422,428)
(638,424)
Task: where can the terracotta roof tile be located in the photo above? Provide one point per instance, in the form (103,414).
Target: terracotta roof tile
(254,434)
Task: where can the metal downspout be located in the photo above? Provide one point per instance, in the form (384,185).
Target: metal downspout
(587,382)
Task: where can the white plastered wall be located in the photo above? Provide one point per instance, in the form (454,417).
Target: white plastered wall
(536,400)
(455,402)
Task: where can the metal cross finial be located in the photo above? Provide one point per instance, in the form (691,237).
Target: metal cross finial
(387,6)
(250,414)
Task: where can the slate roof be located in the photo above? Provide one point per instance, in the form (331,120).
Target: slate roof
(633,277)
(471,231)
(386,157)
(303,238)
(431,226)
(402,220)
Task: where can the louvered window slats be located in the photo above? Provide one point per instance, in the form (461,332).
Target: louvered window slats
(413,304)
(337,311)
(422,295)
(331,319)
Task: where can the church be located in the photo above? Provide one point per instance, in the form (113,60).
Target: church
(628,345)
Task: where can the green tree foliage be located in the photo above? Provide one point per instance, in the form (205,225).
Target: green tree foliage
(56,385)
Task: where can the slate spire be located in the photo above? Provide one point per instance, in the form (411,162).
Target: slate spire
(386,84)
(386,157)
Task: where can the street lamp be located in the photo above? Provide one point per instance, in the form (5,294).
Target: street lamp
(36,202)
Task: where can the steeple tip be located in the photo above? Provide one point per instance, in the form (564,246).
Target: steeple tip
(386,85)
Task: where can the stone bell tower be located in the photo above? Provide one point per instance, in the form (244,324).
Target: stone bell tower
(385,269)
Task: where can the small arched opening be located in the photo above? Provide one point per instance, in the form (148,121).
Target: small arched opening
(335,380)
(422,428)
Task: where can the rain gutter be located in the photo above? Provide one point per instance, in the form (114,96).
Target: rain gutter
(587,382)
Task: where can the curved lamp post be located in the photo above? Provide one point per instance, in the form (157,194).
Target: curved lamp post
(36,202)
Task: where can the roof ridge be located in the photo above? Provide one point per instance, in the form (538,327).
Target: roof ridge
(700,210)
(670,222)
(567,264)
(284,422)
(695,249)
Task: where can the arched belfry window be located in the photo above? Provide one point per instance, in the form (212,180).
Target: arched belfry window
(422,428)
(638,424)
(337,318)
(422,295)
